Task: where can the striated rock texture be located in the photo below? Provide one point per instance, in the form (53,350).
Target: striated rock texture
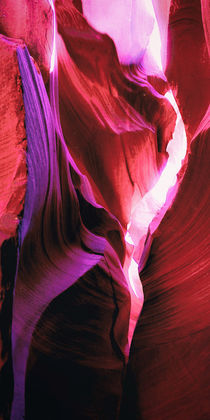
(32,22)
(188,60)
(168,374)
(59,244)
(13,140)
(13,175)
(71,306)
(112,118)
(168,371)
(16,19)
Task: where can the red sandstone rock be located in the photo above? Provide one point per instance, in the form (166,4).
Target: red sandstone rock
(168,374)
(13,176)
(116,131)
(188,67)
(32,22)
(12,140)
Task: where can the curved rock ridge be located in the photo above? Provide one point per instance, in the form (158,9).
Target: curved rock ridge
(120,120)
(56,249)
(13,178)
(168,373)
(74,174)
(188,60)
(13,141)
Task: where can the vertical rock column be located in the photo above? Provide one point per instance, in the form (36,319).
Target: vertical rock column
(13,174)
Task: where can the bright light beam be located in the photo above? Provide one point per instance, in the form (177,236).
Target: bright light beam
(53,56)
(150,210)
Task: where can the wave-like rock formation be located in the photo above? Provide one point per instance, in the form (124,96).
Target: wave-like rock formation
(119,120)
(13,178)
(188,60)
(57,249)
(168,372)
(84,137)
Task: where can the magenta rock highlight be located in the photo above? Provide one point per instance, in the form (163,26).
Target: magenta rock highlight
(104,204)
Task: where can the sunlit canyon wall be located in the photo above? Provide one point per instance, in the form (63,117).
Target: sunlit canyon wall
(104,179)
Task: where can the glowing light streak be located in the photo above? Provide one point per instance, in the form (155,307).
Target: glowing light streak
(147,208)
(134,279)
(176,148)
(54,53)
(150,210)
(153,49)
(54,101)
(128,238)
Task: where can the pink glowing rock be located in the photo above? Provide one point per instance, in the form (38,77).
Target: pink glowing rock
(13,177)
(117,122)
(188,61)
(32,23)
(168,373)
(62,238)
(76,279)
(13,141)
